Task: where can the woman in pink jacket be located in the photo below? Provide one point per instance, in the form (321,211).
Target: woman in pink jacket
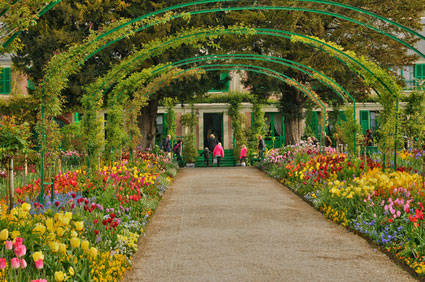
(218,153)
(243,155)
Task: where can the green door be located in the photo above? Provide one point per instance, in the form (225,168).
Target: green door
(365,120)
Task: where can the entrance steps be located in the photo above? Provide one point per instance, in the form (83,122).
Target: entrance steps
(227,161)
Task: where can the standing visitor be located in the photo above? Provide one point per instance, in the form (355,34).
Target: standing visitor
(328,141)
(206,154)
(218,153)
(261,148)
(166,146)
(212,142)
(178,151)
(243,155)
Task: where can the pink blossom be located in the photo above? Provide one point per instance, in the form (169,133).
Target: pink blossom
(18,241)
(39,280)
(398,213)
(39,264)
(374,215)
(2,263)
(9,245)
(20,250)
(23,263)
(15,263)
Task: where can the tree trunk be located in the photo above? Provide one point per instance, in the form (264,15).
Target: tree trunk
(147,124)
(293,130)
(11,189)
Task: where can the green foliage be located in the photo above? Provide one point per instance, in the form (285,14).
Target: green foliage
(14,138)
(349,129)
(258,126)
(72,137)
(171,117)
(190,120)
(238,121)
(116,135)
(414,118)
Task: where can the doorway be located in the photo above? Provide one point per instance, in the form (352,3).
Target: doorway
(213,124)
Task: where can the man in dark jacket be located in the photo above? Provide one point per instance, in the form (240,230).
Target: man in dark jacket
(261,148)
(212,142)
(166,145)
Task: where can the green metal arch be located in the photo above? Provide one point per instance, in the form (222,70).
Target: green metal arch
(242,8)
(41,13)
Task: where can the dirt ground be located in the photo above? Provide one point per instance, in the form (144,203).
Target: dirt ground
(236,224)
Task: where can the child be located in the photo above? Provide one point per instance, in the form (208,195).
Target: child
(243,155)
(218,153)
(206,153)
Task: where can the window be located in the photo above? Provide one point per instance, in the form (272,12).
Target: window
(407,73)
(223,76)
(420,74)
(374,121)
(5,81)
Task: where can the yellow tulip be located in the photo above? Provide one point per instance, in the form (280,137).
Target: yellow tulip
(37,256)
(71,271)
(15,234)
(4,235)
(93,252)
(54,246)
(85,245)
(26,207)
(62,248)
(79,225)
(60,231)
(74,234)
(49,224)
(39,228)
(75,242)
(59,276)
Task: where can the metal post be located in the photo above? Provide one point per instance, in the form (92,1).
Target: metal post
(11,185)
(131,137)
(396,133)
(52,191)
(42,152)
(355,131)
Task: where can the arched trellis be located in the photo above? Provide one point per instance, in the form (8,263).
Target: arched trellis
(327,81)
(47,8)
(264,8)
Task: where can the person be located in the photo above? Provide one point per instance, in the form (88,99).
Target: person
(369,138)
(166,146)
(328,141)
(261,147)
(206,154)
(218,153)
(243,155)
(178,148)
(309,141)
(212,142)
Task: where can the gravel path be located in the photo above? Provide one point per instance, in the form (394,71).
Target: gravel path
(236,224)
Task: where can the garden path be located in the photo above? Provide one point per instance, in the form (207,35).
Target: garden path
(237,224)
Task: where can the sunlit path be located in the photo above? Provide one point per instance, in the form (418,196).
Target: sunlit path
(239,225)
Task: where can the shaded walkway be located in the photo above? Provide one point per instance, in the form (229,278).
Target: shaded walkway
(236,224)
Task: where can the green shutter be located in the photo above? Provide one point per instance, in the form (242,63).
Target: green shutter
(5,81)
(31,85)
(420,71)
(364,121)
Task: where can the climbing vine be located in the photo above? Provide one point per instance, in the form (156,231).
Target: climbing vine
(238,120)
(190,121)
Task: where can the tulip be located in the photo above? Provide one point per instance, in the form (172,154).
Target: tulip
(54,246)
(85,245)
(59,276)
(4,235)
(71,271)
(2,263)
(9,245)
(20,250)
(93,252)
(75,242)
(37,256)
(15,263)
(23,263)
(79,225)
(39,228)
(39,264)
(18,241)
(62,248)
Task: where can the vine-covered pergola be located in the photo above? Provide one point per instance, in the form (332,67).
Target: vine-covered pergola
(65,64)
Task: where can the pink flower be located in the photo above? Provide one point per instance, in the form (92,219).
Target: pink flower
(18,241)
(20,250)
(23,263)
(39,264)
(374,215)
(2,263)
(9,245)
(398,213)
(39,280)
(15,263)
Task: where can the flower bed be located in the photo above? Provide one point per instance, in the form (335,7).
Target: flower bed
(90,231)
(385,206)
